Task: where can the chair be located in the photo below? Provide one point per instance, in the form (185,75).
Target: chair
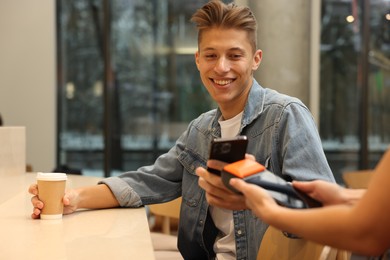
(167,211)
(357,179)
(164,243)
(275,245)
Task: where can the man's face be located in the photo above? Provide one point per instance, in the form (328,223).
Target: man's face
(226,61)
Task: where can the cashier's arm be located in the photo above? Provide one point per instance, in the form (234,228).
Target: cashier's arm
(90,197)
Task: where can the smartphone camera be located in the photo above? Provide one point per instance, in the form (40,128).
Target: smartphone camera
(223,148)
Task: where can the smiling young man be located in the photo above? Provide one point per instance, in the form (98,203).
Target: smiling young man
(278,127)
(214,222)
(226,61)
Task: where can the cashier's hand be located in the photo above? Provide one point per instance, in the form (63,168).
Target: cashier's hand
(69,200)
(329,193)
(217,194)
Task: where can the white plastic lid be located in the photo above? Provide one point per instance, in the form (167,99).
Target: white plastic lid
(51,176)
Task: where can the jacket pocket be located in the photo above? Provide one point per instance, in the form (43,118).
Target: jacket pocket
(191,192)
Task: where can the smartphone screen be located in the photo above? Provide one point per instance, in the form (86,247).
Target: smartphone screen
(228,150)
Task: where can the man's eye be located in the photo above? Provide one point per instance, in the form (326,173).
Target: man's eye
(210,56)
(235,56)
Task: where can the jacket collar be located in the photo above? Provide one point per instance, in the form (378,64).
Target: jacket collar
(253,107)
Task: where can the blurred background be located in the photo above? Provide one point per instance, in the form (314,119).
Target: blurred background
(107,86)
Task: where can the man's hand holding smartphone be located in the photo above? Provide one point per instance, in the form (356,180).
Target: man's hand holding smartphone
(222,152)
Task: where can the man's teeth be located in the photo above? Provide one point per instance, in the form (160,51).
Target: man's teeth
(223,82)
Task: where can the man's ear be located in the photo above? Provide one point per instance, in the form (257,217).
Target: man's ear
(197,59)
(257,59)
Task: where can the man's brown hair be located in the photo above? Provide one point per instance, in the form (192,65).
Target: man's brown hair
(216,14)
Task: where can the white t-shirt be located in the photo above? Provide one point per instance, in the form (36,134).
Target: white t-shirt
(225,245)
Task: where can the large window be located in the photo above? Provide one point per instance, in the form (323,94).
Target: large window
(355,82)
(128,84)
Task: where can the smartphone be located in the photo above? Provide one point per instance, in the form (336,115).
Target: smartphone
(228,150)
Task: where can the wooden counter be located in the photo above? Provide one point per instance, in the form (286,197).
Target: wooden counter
(89,234)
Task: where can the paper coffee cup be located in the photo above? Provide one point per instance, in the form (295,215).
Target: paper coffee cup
(51,190)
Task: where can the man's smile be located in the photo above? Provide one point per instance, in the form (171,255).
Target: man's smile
(222,82)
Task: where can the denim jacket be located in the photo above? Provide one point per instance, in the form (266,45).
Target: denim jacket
(282,136)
